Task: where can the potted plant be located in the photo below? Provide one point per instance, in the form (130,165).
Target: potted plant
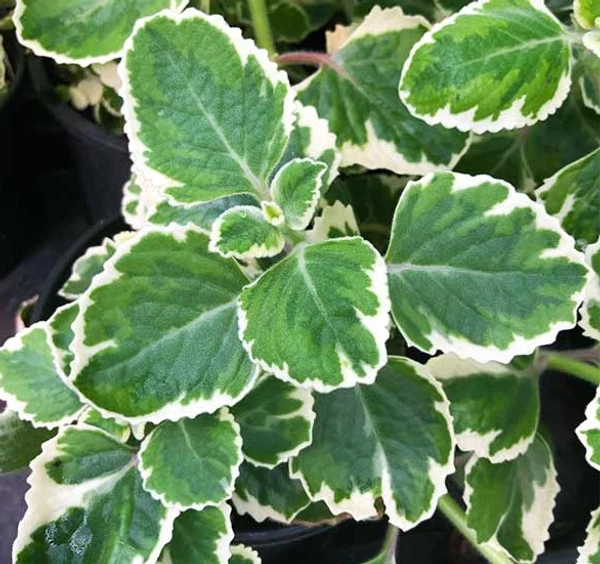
(246,343)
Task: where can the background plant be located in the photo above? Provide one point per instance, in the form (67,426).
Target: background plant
(248,340)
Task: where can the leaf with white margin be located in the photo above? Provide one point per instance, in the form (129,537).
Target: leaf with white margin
(20,442)
(392,439)
(133,203)
(276,421)
(32,382)
(296,189)
(207,113)
(311,138)
(243,232)
(589,79)
(201,537)
(498,64)
(61,333)
(479,270)
(589,431)
(113,427)
(241,554)
(319,318)
(192,463)
(572,195)
(590,311)
(360,101)
(509,505)
(156,337)
(495,407)
(269,493)
(335,221)
(82,32)
(591,40)
(586,12)
(589,552)
(86,499)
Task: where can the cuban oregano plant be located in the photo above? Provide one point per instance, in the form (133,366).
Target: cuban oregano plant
(255,342)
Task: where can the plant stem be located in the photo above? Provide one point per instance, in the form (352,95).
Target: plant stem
(309,58)
(573,367)
(457,517)
(262,28)
(205,6)
(388,550)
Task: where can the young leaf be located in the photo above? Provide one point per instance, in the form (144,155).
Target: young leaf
(32,382)
(479,270)
(243,232)
(498,64)
(61,333)
(296,189)
(586,12)
(86,499)
(392,439)
(336,220)
(82,31)
(156,337)
(360,101)
(276,421)
(241,554)
(591,40)
(495,408)
(117,429)
(509,505)
(201,537)
(589,553)
(589,431)
(20,442)
(319,317)
(589,81)
(590,311)
(572,195)
(265,493)
(207,113)
(192,463)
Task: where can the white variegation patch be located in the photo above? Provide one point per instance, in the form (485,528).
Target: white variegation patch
(591,295)
(590,549)
(591,40)
(591,425)
(250,556)
(337,217)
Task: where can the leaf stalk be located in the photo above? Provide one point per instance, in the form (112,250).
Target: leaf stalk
(262,27)
(572,366)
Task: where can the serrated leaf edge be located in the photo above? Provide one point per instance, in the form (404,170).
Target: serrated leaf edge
(591,294)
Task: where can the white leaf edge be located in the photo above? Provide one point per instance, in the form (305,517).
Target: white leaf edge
(245,552)
(62,58)
(147,471)
(377,153)
(376,324)
(543,221)
(579,16)
(591,545)
(590,423)
(587,101)
(173,410)
(305,411)
(335,216)
(244,47)
(510,118)
(255,251)
(125,432)
(536,521)
(591,294)
(301,223)
(361,505)
(591,40)
(62,354)
(13,403)
(549,183)
(43,507)
(450,367)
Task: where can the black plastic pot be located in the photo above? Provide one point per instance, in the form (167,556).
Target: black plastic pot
(102,160)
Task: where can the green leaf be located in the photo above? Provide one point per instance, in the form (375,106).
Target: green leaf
(243,232)
(86,500)
(335,221)
(20,442)
(133,203)
(425,8)
(111,426)
(296,189)
(589,553)
(495,407)
(360,101)
(207,113)
(319,317)
(590,312)
(589,431)
(241,554)
(498,64)
(192,463)
(32,382)
(589,80)
(591,40)
(276,421)
(61,333)
(265,493)
(157,334)
(572,195)
(82,31)
(201,537)
(479,270)
(586,12)
(509,505)
(392,439)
